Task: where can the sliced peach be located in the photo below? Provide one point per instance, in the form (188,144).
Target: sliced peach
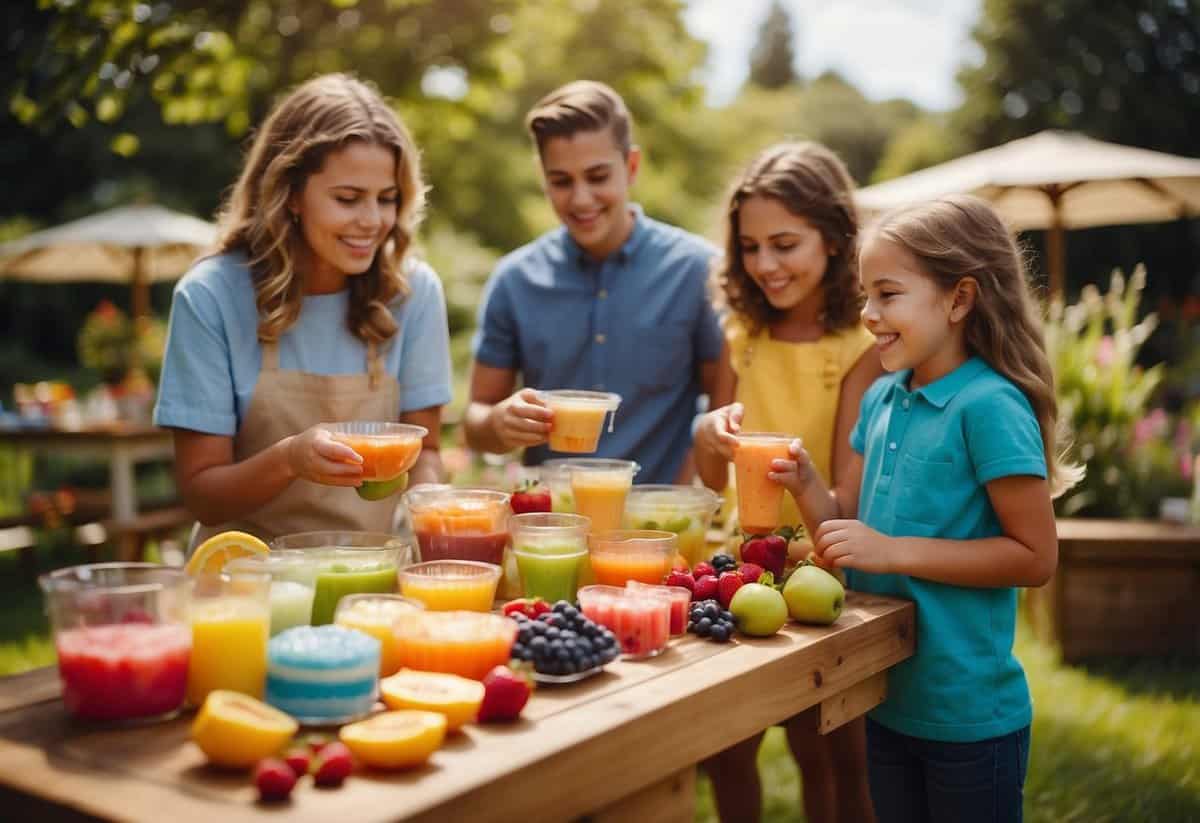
(395,740)
(457,698)
(235,730)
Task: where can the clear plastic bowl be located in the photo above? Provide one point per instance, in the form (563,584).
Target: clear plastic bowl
(452,585)
(388,450)
(621,555)
(685,510)
(465,643)
(459,524)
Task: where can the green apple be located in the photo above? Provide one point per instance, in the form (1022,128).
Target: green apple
(758,610)
(379,489)
(814,595)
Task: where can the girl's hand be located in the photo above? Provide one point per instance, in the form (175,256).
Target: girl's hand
(796,473)
(522,419)
(315,455)
(715,433)
(848,544)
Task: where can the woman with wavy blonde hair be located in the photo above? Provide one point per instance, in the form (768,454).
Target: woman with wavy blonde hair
(311,311)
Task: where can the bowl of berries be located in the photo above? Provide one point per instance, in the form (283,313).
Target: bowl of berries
(563,645)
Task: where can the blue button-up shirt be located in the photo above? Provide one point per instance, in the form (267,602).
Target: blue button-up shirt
(638,323)
(928,456)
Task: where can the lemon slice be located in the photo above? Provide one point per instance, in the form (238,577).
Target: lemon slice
(211,556)
(236,731)
(395,740)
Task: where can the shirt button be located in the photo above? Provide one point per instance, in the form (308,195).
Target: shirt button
(892,445)
(603,293)
(600,338)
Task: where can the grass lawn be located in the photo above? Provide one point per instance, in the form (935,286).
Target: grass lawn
(1112,741)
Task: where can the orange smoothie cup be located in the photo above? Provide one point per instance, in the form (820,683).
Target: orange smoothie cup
(759,497)
(579,418)
(621,555)
(468,644)
(388,450)
(600,487)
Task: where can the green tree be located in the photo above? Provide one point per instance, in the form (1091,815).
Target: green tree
(1127,72)
(925,141)
(773,60)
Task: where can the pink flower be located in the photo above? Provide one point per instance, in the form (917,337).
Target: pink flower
(1151,427)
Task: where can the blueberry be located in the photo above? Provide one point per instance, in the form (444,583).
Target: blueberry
(727,616)
(561,606)
(584,644)
(553,632)
(704,627)
(538,642)
(712,611)
(570,612)
(720,633)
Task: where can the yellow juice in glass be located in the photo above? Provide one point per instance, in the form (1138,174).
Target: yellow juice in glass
(376,615)
(229,647)
(600,495)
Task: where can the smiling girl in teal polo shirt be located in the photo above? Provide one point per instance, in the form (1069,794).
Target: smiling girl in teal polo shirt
(955,467)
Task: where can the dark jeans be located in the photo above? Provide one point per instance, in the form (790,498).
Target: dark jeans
(914,779)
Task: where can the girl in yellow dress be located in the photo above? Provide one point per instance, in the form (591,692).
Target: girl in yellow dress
(797,361)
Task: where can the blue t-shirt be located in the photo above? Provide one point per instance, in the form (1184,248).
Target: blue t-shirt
(213,356)
(638,323)
(928,455)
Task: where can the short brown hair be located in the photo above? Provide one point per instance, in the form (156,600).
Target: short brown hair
(810,181)
(584,105)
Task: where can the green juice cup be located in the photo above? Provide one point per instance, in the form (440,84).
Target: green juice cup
(349,563)
(293,579)
(551,552)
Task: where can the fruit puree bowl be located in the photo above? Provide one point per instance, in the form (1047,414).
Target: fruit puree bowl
(123,639)
(459,524)
(451,585)
(684,510)
(641,622)
(469,644)
(388,451)
(621,555)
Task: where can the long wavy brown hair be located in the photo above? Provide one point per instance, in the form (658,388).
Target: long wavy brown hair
(963,236)
(810,181)
(320,117)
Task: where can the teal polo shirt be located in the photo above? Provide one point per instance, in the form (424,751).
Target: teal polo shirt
(927,457)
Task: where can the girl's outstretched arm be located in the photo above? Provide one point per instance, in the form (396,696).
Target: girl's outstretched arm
(1025,555)
(816,501)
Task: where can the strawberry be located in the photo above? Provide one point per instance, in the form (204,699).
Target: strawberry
(333,765)
(316,741)
(750,572)
(506,690)
(530,496)
(702,568)
(768,551)
(274,779)
(298,759)
(678,578)
(727,587)
(705,588)
(528,606)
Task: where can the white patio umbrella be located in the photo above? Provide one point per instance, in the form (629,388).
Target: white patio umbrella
(1057,180)
(138,245)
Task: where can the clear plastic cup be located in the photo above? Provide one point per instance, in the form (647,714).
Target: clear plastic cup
(231,623)
(123,639)
(556,473)
(620,555)
(293,584)
(388,450)
(452,585)
(759,498)
(641,622)
(459,524)
(679,598)
(349,562)
(685,510)
(550,550)
(375,614)
(466,643)
(579,418)
(600,486)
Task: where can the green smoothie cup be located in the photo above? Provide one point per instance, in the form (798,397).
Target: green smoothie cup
(349,563)
(551,550)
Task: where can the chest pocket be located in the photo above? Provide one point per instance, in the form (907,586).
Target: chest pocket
(925,489)
(662,355)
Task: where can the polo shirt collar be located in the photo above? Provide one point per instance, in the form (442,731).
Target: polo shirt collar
(941,391)
(622,255)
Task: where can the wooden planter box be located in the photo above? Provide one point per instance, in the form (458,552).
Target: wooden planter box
(1123,587)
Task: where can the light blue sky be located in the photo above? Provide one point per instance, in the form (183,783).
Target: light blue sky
(888,48)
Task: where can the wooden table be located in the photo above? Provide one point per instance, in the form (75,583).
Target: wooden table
(120,444)
(619,746)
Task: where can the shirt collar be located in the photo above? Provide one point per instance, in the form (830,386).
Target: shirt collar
(941,391)
(623,255)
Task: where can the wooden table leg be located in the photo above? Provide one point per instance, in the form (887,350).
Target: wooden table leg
(669,801)
(855,701)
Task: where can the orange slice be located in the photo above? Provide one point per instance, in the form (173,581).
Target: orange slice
(236,731)
(395,740)
(211,556)
(457,698)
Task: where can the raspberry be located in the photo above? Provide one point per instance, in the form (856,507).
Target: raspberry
(334,765)
(274,779)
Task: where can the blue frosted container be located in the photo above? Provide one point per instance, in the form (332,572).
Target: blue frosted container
(323,675)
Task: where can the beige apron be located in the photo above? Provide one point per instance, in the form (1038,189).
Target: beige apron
(287,402)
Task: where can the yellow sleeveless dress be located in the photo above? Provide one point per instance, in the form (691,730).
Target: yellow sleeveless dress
(793,388)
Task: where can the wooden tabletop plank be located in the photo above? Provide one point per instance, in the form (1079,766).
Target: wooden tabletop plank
(578,748)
